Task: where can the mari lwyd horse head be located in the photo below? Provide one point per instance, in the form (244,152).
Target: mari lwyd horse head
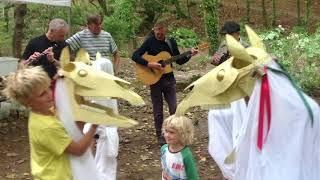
(83,81)
(232,80)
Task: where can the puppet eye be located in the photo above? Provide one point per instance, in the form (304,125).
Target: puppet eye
(254,57)
(82,73)
(220,75)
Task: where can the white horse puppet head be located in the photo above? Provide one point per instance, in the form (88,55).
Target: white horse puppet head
(84,81)
(230,81)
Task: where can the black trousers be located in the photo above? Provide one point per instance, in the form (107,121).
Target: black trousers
(165,87)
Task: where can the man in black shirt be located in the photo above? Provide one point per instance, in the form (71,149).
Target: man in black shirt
(45,50)
(166,86)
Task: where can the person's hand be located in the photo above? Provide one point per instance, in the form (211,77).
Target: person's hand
(34,57)
(194,51)
(50,54)
(155,65)
(95,126)
(216,58)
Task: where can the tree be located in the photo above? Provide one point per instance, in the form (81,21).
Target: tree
(264,13)
(248,8)
(102,4)
(180,13)
(274,16)
(308,11)
(298,12)
(20,11)
(211,19)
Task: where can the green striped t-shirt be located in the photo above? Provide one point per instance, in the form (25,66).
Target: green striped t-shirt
(102,43)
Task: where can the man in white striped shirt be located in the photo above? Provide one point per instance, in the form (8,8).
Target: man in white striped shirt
(93,39)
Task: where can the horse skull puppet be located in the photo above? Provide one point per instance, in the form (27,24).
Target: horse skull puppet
(266,147)
(84,81)
(79,82)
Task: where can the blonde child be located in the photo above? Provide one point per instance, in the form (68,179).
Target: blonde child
(49,142)
(176,157)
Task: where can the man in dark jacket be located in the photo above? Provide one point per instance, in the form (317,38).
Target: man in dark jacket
(166,86)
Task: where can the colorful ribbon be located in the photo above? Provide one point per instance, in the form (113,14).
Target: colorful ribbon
(265,105)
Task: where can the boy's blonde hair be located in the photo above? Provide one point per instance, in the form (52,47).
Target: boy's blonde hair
(21,84)
(182,125)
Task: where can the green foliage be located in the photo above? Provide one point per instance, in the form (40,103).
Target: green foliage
(6,35)
(119,29)
(123,23)
(185,37)
(211,20)
(203,59)
(79,13)
(39,16)
(298,52)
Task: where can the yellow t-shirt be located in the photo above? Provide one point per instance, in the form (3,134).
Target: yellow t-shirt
(48,140)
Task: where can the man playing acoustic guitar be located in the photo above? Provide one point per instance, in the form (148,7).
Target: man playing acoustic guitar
(166,85)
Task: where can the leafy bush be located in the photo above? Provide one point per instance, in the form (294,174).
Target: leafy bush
(298,52)
(122,24)
(185,38)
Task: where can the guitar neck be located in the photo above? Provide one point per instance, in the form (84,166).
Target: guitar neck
(180,56)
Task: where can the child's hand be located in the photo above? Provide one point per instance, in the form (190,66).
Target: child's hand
(94,126)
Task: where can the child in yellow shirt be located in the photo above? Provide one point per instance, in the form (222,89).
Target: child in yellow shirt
(49,142)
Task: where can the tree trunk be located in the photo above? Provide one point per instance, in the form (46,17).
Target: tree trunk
(19,14)
(264,13)
(103,5)
(248,6)
(298,12)
(308,11)
(274,16)
(6,16)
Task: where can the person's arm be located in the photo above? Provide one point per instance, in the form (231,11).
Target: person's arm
(30,55)
(222,51)
(58,141)
(115,54)
(74,42)
(176,52)
(190,165)
(81,146)
(137,55)
(116,61)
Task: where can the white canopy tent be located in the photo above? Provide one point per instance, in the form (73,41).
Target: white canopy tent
(49,2)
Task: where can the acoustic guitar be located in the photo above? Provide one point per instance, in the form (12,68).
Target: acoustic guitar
(150,76)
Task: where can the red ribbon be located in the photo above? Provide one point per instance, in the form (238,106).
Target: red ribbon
(265,105)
